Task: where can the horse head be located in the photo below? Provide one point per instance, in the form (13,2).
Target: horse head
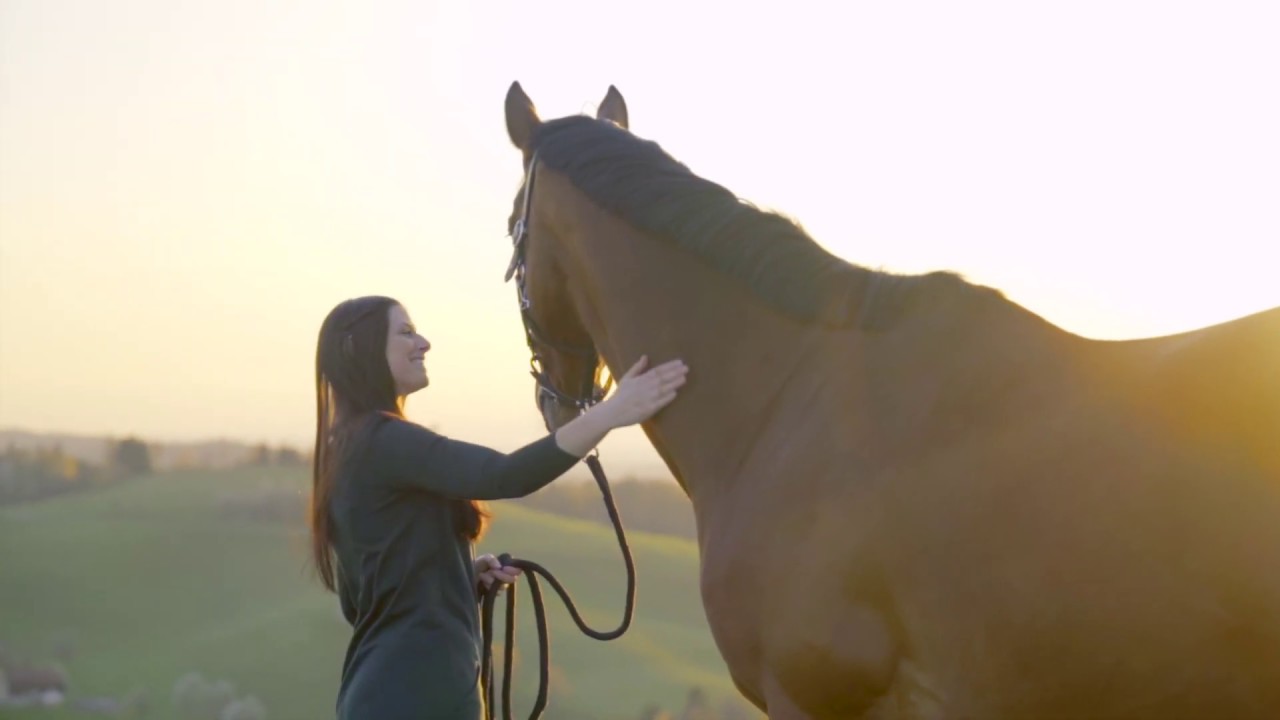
(566,367)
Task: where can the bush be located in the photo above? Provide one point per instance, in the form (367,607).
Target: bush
(131,456)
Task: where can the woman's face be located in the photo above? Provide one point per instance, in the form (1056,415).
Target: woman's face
(406,352)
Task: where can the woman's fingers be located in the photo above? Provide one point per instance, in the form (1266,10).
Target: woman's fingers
(668,372)
(637,368)
(670,368)
(664,380)
(498,571)
(663,388)
(642,392)
(664,400)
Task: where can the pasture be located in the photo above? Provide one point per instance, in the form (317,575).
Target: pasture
(204,571)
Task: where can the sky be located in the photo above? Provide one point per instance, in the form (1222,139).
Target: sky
(187,188)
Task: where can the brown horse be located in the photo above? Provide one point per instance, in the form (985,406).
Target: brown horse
(914,498)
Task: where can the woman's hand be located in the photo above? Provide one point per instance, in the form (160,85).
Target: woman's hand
(489,569)
(642,393)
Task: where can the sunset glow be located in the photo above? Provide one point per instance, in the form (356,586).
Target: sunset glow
(186,190)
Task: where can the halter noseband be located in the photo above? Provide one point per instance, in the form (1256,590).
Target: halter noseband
(590,391)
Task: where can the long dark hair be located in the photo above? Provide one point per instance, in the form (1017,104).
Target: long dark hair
(354,394)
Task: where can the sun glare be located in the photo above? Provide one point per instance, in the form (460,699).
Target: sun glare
(196,208)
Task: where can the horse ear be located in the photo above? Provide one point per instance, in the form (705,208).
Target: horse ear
(522,117)
(613,108)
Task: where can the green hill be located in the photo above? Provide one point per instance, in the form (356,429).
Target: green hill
(190,572)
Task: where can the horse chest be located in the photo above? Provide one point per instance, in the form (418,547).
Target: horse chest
(736,568)
(792,610)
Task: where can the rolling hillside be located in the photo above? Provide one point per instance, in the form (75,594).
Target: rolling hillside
(176,573)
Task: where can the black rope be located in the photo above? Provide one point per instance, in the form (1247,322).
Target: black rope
(532,570)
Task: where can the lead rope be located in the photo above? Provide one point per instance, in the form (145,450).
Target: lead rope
(532,570)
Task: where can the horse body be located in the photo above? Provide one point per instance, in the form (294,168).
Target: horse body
(1058,551)
(948,508)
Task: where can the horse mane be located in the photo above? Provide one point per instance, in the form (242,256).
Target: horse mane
(637,181)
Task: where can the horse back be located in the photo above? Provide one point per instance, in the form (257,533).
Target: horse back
(1216,389)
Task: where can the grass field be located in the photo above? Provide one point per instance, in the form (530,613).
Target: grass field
(153,579)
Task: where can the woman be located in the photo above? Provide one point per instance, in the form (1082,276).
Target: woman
(396,509)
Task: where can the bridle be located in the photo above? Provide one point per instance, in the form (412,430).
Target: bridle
(589,391)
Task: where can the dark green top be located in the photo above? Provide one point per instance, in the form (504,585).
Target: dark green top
(406,579)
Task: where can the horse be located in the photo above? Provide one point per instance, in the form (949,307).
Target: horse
(914,498)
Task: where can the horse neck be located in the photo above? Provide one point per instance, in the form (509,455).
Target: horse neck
(640,295)
(946,369)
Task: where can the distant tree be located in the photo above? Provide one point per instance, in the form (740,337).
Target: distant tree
(288,457)
(54,465)
(647,505)
(64,466)
(131,456)
(260,455)
(186,458)
(42,472)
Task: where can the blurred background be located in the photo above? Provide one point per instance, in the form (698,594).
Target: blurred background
(187,188)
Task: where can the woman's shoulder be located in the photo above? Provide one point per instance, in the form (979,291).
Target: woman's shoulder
(382,444)
(399,424)
(395,430)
